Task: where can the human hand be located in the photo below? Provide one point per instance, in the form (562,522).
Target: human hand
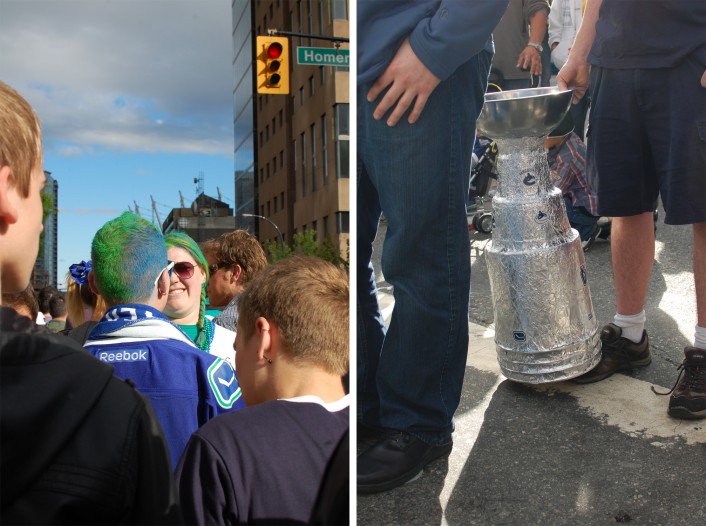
(703,80)
(530,59)
(574,76)
(410,82)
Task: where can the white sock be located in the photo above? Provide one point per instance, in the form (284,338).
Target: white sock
(632,326)
(700,337)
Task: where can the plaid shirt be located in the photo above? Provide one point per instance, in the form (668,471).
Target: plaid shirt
(567,166)
(228,317)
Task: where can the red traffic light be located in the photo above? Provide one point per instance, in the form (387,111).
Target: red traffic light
(274,50)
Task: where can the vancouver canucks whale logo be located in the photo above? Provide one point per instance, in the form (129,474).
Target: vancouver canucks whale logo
(529,179)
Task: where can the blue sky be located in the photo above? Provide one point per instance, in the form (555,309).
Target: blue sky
(135,100)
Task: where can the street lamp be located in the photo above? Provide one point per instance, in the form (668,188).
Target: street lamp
(281,237)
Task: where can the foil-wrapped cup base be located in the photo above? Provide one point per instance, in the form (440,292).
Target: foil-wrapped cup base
(538,366)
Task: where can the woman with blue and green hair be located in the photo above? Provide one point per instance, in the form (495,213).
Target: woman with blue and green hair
(186,305)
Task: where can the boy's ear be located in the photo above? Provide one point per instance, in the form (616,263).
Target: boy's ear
(92,283)
(8,211)
(262,331)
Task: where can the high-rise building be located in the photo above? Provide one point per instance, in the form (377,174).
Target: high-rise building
(292,151)
(45,268)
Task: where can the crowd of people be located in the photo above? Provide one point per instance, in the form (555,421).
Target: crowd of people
(126,400)
(422,72)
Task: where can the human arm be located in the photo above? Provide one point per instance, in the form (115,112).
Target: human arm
(575,72)
(530,57)
(555,22)
(434,49)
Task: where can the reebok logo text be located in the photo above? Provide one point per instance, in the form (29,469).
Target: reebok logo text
(140,355)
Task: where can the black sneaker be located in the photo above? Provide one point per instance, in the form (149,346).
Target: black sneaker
(688,398)
(618,354)
(587,243)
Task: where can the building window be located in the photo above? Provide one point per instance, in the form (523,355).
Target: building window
(325,227)
(274,166)
(274,204)
(281,119)
(262,210)
(301,96)
(342,226)
(324,150)
(303,144)
(267,132)
(261,141)
(322,75)
(312,137)
(281,158)
(321,17)
(342,158)
(341,128)
(309,15)
(262,175)
(294,149)
(267,171)
(268,209)
(311,86)
(314,227)
(299,21)
(340,9)
(274,127)
(341,120)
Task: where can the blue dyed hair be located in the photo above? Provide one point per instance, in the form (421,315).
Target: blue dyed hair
(128,253)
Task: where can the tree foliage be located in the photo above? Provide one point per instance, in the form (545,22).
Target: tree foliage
(305,244)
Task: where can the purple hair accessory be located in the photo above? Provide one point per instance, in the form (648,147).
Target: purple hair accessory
(79,272)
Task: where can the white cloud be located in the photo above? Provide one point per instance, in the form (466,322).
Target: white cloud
(129,75)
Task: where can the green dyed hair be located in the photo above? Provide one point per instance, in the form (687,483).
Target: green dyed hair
(183,240)
(128,253)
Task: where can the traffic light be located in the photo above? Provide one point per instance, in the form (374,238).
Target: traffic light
(272,65)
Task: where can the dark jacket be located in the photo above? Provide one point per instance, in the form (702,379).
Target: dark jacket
(79,446)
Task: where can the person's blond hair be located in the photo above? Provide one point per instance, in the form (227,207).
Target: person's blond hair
(306,298)
(20,138)
(79,298)
(238,248)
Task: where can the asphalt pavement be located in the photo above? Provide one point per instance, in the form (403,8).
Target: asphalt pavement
(561,453)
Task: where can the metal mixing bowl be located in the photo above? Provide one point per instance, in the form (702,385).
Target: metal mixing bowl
(518,113)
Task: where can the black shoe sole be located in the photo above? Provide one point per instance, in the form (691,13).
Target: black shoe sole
(586,378)
(685,413)
(432,455)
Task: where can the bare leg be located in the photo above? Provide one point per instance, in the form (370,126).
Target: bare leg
(700,272)
(633,251)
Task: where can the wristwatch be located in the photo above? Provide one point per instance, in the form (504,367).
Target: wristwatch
(538,47)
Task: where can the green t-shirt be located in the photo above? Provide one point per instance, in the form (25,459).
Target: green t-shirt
(192,331)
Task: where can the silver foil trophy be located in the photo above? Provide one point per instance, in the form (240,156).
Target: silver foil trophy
(545,327)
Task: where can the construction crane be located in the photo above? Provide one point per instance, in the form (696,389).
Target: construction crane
(181,198)
(156,213)
(137,209)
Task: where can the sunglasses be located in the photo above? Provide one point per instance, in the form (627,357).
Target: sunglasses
(213,268)
(170,266)
(184,269)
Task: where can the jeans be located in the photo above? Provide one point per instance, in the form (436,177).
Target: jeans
(580,219)
(410,377)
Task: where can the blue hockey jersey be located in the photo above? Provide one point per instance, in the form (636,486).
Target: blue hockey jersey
(186,386)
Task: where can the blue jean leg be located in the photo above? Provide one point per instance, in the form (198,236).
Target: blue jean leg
(419,175)
(584,223)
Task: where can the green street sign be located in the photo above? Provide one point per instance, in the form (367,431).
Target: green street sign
(322,56)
